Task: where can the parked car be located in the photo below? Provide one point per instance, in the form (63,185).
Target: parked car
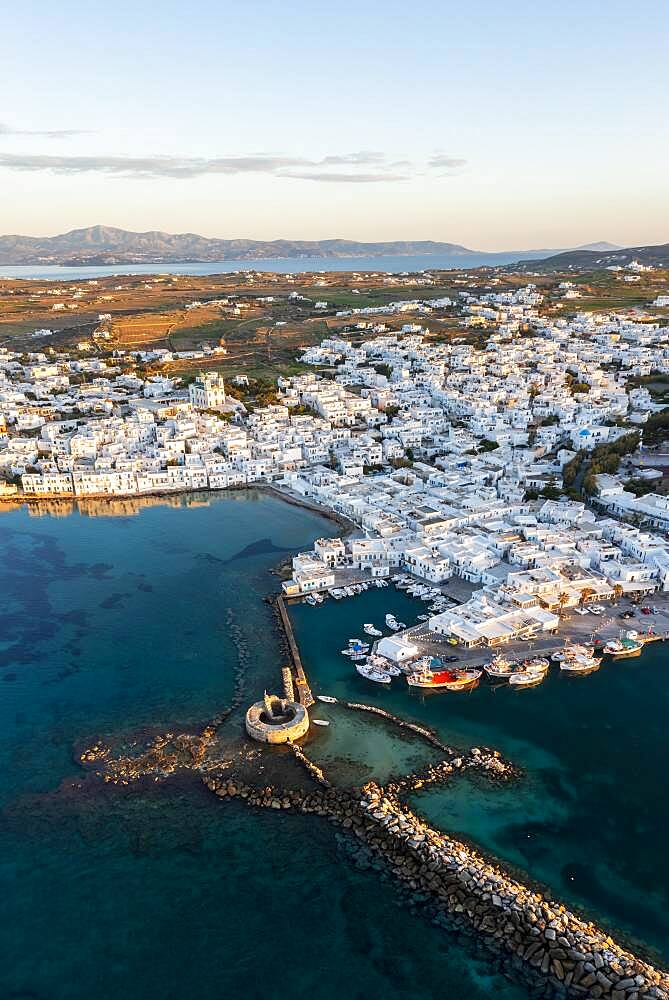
(450,659)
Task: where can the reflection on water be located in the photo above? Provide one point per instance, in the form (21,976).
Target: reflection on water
(109,506)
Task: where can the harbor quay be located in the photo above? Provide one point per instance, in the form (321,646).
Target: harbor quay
(572,629)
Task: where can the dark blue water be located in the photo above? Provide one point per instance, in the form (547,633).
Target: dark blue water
(279,265)
(111,625)
(590,818)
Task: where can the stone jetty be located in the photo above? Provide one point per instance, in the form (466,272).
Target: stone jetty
(534,938)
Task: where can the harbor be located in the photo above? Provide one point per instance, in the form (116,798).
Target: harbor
(584,638)
(562,822)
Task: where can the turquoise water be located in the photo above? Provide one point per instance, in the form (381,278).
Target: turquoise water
(120,626)
(590,818)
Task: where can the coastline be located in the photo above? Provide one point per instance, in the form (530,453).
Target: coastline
(347,526)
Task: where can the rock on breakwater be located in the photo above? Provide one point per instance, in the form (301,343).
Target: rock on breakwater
(537,937)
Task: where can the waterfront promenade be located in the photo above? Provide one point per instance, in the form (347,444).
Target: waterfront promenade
(573,628)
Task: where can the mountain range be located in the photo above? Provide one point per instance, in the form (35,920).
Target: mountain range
(108,245)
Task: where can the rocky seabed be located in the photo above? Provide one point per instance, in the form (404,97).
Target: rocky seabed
(532,937)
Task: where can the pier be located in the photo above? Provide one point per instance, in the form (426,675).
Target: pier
(304,695)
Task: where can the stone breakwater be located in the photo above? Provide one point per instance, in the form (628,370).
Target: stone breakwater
(170,752)
(535,938)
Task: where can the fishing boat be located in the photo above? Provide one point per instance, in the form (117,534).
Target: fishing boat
(537,663)
(372,674)
(384,664)
(448,680)
(623,649)
(527,678)
(370,629)
(580,664)
(500,668)
(392,622)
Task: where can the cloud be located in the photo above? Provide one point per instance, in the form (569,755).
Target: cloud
(343,168)
(347,178)
(440,161)
(44,134)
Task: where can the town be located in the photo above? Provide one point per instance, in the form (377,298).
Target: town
(521,455)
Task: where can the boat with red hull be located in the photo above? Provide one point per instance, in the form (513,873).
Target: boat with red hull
(448,680)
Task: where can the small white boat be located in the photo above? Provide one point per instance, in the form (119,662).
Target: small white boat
(311,600)
(383,664)
(320,722)
(527,678)
(580,665)
(327,698)
(372,674)
(370,629)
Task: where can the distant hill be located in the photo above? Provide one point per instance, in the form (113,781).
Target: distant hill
(108,245)
(104,244)
(599,246)
(590,260)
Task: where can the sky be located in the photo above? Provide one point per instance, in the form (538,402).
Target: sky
(493,125)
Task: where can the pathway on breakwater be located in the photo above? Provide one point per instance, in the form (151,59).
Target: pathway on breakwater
(305,697)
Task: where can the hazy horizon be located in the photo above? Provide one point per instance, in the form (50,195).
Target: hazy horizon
(494,128)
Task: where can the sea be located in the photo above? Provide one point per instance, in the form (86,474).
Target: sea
(279,265)
(116,625)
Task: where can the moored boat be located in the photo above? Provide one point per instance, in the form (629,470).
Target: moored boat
(623,649)
(537,663)
(527,678)
(500,668)
(580,665)
(448,680)
(372,674)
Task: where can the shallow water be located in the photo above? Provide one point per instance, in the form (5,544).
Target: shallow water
(589,819)
(119,625)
